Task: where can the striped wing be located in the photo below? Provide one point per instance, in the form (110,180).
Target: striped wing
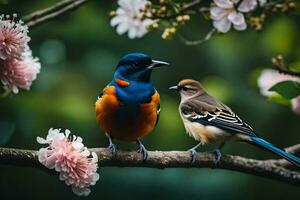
(218,117)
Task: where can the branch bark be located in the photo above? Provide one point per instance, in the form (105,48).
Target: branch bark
(52,12)
(181,11)
(273,169)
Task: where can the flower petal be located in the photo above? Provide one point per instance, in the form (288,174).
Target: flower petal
(13,38)
(240,27)
(125,4)
(117,20)
(270,77)
(42,155)
(121,11)
(122,28)
(132,33)
(224,3)
(95,179)
(137,5)
(222,25)
(217,13)
(50,162)
(247,5)
(236,18)
(81,191)
(41,140)
(95,157)
(296,105)
(68,156)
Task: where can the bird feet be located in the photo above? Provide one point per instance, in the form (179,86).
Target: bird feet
(142,150)
(218,156)
(112,147)
(217,153)
(193,154)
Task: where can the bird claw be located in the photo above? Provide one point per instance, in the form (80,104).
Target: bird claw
(218,156)
(113,149)
(193,155)
(143,150)
(112,146)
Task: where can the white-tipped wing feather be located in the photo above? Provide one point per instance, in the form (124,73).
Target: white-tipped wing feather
(217,115)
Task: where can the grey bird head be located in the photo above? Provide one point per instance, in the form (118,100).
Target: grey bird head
(188,88)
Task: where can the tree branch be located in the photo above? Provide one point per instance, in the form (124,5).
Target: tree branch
(273,169)
(52,12)
(289,72)
(185,8)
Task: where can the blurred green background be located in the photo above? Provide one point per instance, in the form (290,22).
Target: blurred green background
(79,52)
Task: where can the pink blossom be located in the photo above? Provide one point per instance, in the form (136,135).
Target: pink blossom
(296,105)
(224,14)
(15,73)
(18,68)
(13,37)
(270,77)
(68,156)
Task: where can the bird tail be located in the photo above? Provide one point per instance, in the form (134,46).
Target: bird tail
(280,152)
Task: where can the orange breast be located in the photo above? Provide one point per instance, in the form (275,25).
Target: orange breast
(107,110)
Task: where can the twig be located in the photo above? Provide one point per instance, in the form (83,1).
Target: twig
(171,159)
(56,10)
(289,72)
(180,11)
(280,64)
(197,42)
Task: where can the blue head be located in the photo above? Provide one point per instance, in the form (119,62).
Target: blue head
(137,67)
(132,78)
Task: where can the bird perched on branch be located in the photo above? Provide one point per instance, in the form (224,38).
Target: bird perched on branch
(208,120)
(129,106)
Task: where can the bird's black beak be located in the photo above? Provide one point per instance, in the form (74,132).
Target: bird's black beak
(157,64)
(175,87)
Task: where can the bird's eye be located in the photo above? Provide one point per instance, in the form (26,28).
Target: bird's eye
(136,64)
(185,88)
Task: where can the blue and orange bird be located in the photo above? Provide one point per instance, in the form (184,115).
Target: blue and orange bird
(208,120)
(129,106)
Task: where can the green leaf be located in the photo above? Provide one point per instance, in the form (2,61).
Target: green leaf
(280,99)
(6,131)
(287,89)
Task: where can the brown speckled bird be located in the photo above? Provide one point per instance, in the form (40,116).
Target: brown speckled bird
(208,120)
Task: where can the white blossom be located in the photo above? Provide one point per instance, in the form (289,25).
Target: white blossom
(225,14)
(130,18)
